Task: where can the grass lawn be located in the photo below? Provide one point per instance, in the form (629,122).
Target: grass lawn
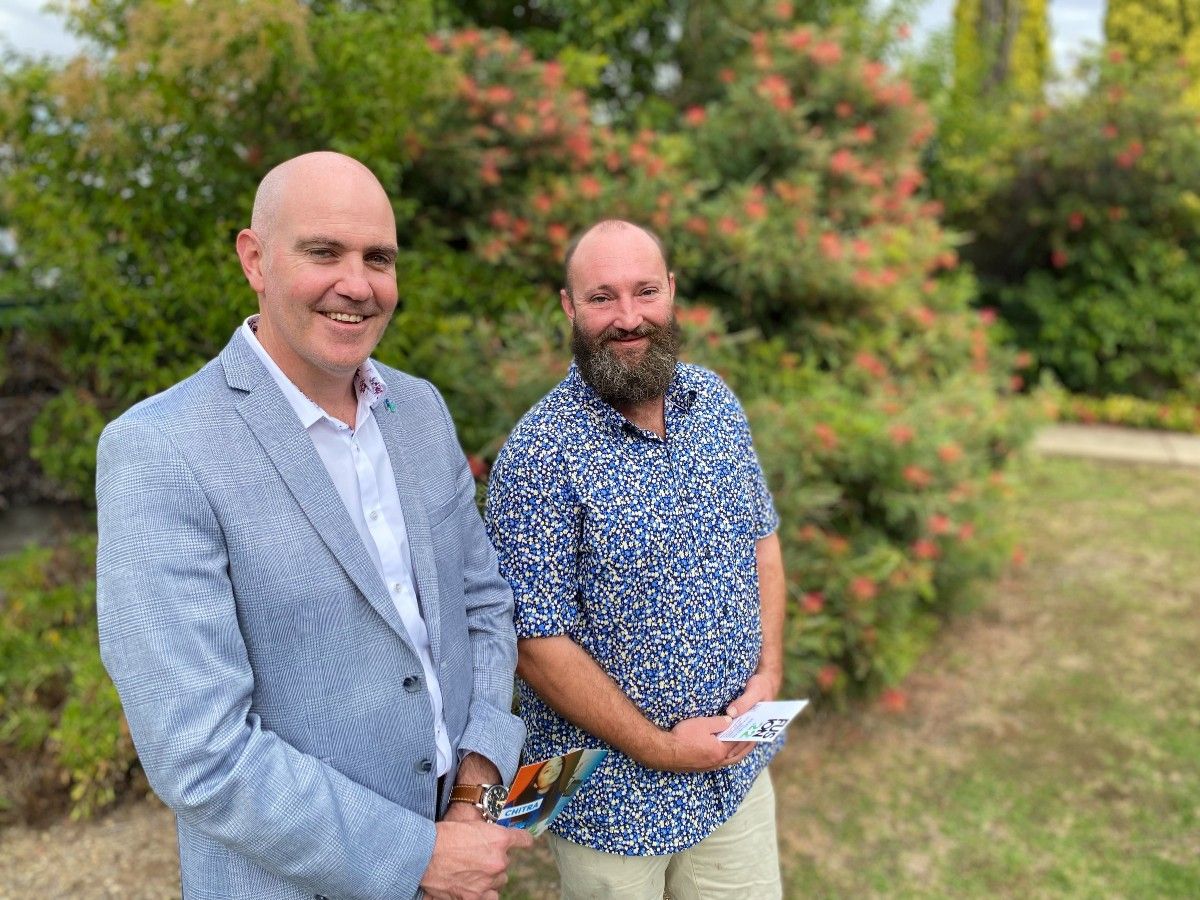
(1051,744)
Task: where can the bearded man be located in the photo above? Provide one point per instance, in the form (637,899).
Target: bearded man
(633,522)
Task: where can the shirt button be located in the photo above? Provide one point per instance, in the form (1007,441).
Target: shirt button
(412,684)
(396,587)
(423,766)
(374,514)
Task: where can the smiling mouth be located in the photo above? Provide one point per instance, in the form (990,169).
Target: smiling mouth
(348,318)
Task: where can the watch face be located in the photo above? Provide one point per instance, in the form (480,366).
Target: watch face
(493,801)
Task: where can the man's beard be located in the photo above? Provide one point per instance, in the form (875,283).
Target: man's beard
(621,385)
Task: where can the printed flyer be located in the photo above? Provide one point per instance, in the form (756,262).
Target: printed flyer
(541,790)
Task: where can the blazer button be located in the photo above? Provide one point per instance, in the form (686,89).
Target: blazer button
(412,683)
(424,766)
(320,897)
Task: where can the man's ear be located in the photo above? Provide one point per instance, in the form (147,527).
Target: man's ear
(250,253)
(567,305)
(671,285)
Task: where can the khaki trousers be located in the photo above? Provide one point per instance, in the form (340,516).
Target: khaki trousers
(738,861)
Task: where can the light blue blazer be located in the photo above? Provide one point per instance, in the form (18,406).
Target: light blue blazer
(275,699)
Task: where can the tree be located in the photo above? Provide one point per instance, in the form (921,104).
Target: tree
(1151,31)
(1001,46)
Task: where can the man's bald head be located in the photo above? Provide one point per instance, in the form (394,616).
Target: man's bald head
(606,226)
(295,177)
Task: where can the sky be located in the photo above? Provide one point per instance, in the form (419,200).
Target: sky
(1072,24)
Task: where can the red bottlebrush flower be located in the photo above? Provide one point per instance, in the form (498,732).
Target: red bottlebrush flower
(923,316)
(1116,213)
(1110,131)
(864,134)
(589,187)
(755,209)
(726,76)
(838,545)
(435,43)
(695,315)
(872,71)
(492,250)
(827,676)
(803,228)
(939,524)
(499,94)
(542,202)
(808,533)
(893,701)
(831,246)
(758,40)
(479,467)
(950,453)
(727,225)
(695,115)
(966,531)
(826,53)
(557,233)
(987,316)
(1075,220)
(1018,556)
(916,476)
(865,279)
(871,364)
(812,602)
(1116,55)
(924,548)
(488,173)
(843,110)
(1059,258)
(863,589)
(1023,360)
(552,74)
(784,10)
(696,226)
(904,31)
(1015,383)
(499,218)
(901,434)
(842,161)
(826,435)
(520,228)
(861,248)
(799,39)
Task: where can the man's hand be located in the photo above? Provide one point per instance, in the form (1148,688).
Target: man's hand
(693,746)
(470,859)
(761,687)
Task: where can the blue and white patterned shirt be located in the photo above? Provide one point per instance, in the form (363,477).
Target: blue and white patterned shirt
(642,551)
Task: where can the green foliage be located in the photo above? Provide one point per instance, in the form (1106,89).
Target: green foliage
(1151,31)
(1175,412)
(1090,249)
(56,701)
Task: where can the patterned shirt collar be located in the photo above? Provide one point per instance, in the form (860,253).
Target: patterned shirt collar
(681,397)
(368,385)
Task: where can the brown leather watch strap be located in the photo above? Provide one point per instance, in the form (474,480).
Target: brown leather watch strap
(467,793)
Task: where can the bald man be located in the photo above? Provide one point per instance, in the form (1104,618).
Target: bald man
(633,521)
(297,599)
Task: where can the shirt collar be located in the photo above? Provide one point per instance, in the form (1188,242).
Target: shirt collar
(681,396)
(368,386)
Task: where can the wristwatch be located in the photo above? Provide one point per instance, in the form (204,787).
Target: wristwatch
(487,798)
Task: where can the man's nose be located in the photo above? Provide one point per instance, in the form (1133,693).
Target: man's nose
(627,316)
(353,283)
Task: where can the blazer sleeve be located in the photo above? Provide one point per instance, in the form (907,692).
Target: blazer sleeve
(170,639)
(492,730)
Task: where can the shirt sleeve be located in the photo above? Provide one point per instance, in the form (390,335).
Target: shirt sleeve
(533,521)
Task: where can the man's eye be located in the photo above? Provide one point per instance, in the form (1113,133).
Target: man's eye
(320,252)
(382,260)
(599,298)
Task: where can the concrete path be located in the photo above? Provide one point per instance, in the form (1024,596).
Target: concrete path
(1119,444)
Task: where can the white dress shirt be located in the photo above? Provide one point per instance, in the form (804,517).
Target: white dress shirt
(361,470)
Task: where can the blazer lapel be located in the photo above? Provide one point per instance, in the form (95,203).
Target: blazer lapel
(274,423)
(395,430)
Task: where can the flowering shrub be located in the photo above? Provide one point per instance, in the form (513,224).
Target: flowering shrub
(1090,250)
(56,702)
